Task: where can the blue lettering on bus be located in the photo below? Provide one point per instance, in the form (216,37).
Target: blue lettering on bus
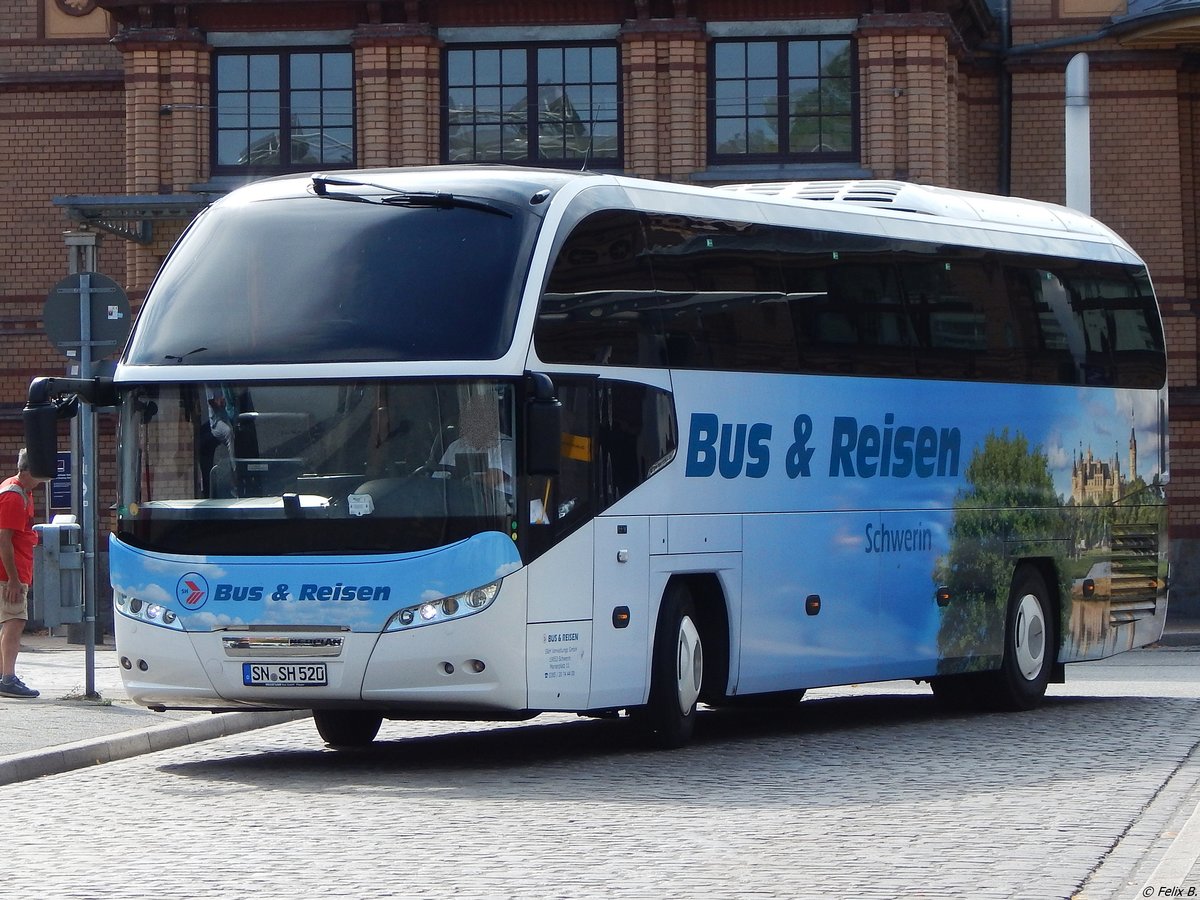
(237,592)
(339,591)
(713,446)
(868,451)
(881,539)
(856,450)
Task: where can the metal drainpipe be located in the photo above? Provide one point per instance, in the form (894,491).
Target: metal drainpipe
(1008,51)
(1004,186)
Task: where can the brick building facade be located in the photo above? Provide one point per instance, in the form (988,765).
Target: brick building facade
(124,117)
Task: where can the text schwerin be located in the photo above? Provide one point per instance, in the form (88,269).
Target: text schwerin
(881,539)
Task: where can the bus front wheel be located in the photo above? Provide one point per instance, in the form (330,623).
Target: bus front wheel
(676,673)
(347,727)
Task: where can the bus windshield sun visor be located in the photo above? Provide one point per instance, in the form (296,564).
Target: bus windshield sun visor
(438,199)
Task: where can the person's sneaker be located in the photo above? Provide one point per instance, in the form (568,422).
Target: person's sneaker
(15,687)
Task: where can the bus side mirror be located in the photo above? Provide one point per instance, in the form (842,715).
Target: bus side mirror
(543,428)
(41,438)
(49,400)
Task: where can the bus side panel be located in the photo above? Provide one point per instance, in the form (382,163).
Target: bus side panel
(788,559)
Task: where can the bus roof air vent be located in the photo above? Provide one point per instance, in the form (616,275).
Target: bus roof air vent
(948,203)
(897,195)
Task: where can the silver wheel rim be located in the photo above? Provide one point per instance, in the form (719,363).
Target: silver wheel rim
(1029,634)
(689,665)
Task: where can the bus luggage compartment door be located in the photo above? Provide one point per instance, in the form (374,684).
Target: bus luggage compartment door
(620,640)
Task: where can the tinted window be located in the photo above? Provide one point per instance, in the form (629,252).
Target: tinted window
(321,280)
(701,293)
(599,304)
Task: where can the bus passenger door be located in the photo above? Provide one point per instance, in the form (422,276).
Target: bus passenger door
(620,616)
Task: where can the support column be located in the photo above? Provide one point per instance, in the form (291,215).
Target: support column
(909,110)
(166,127)
(399,94)
(664,66)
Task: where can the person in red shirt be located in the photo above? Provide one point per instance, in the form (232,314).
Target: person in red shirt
(17,540)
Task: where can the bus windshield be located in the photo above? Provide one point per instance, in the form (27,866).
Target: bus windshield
(310,279)
(292,468)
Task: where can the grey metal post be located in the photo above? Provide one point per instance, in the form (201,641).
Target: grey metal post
(82,259)
(87,480)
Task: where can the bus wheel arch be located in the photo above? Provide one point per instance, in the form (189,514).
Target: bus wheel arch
(1029,660)
(690,659)
(1031,639)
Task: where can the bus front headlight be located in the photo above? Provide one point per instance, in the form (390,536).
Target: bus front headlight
(444,609)
(150,613)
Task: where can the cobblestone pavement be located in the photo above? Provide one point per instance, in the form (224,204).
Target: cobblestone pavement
(862,792)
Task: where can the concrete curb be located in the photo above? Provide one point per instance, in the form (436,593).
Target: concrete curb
(95,751)
(1175,868)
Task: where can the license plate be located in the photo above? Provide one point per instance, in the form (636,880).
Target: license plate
(284,674)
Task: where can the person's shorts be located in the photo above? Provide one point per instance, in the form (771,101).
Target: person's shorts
(15,610)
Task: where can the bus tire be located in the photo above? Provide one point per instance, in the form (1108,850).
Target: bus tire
(676,672)
(1030,645)
(347,727)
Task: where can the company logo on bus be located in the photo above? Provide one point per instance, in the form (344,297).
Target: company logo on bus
(192,590)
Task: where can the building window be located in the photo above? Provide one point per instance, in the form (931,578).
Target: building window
(535,105)
(282,111)
(789,99)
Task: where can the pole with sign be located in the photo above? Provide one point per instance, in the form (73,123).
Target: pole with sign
(87,316)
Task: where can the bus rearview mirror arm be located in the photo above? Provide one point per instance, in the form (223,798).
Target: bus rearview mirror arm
(50,399)
(543,426)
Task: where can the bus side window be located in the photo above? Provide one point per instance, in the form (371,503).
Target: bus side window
(566,500)
(637,436)
(593,309)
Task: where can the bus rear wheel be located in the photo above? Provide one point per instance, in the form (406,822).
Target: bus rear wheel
(676,673)
(1030,645)
(347,727)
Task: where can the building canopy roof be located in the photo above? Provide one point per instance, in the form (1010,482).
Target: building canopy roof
(1158,24)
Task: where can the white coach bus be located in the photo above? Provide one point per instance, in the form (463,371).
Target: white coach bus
(482,443)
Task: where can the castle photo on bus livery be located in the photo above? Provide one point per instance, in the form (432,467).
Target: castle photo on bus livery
(486,442)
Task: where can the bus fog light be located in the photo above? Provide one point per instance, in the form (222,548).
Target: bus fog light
(476,665)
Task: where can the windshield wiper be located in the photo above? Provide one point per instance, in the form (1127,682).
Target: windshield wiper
(180,359)
(433,199)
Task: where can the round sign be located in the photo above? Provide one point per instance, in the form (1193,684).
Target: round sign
(109,307)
